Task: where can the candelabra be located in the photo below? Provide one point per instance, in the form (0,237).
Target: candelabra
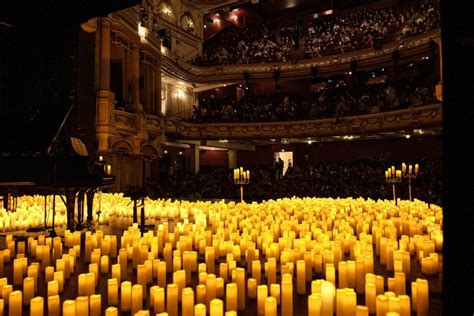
(409,174)
(241,177)
(393,176)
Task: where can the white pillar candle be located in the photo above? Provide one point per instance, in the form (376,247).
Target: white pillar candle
(159,305)
(240,280)
(53,288)
(422,293)
(342,272)
(252,288)
(301,277)
(314,304)
(270,306)
(162,274)
(231,297)
(123,263)
(381,305)
(17,272)
(37,306)
(370,296)
(112,292)
(201,294)
(59,276)
(405,308)
(90,283)
(211,292)
(351,273)
(327,298)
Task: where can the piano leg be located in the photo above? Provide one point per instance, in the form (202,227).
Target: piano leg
(90,203)
(70,203)
(80,209)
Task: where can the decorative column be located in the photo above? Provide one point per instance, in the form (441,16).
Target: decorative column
(135,106)
(105,102)
(439,85)
(157,87)
(194,166)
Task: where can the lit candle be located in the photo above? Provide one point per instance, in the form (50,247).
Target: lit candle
(275,292)
(404,168)
(400,283)
(379,284)
(301,277)
(112,292)
(360,276)
(314,304)
(159,305)
(111,311)
(211,292)
(220,287)
(15,303)
(370,296)
(69,308)
(342,271)
(349,302)
(90,283)
(53,305)
(362,311)
(330,273)
(162,274)
(394,304)
(351,273)
(53,288)
(200,310)
(126,296)
(187,300)
(137,298)
(210,258)
(262,294)
(381,305)
(270,306)
(252,288)
(417,168)
(405,308)
(216,307)
(410,169)
(327,298)
(172,299)
(231,297)
(82,305)
(17,272)
(37,306)
(240,280)
(28,290)
(59,276)
(422,297)
(104,264)
(256,271)
(287,295)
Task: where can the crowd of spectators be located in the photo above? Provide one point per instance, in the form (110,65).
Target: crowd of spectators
(275,41)
(363,178)
(334,99)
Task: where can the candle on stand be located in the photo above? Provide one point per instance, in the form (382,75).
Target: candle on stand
(69,308)
(126,296)
(417,168)
(15,303)
(216,307)
(410,169)
(37,306)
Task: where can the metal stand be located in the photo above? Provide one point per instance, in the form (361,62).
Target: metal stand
(241,183)
(410,177)
(393,181)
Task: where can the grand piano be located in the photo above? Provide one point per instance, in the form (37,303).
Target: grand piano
(63,168)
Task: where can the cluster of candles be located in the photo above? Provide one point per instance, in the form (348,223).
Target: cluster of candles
(263,252)
(392,173)
(241,175)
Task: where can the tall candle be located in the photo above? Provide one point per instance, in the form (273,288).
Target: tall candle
(301,277)
(379,284)
(172,299)
(231,297)
(270,306)
(82,305)
(53,288)
(381,305)
(262,294)
(330,273)
(314,304)
(200,310)
(137,298)
(162,274)
(370,296)
(37,306)
(53,305)
(327,298)
(126,296)
(15,303)
(17,272)
(69,308)
(422,306)
(33,273)
(90,283)
(159,305)
(400,283)
(252,288)
(201,294)
(116,272)
(394,304)
(217,307)
(187,301)
(104,264)
(112,292)
(59,276)
(123,262)
(405,308)
(342,271)
(220,288)
(287,295)
(211,292)
(360,276)
(28,290)
(351,273)
(111,311)
(350,302)
(271,272)
(240,280)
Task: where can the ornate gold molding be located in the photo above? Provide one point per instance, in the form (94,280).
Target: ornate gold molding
(420,117)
